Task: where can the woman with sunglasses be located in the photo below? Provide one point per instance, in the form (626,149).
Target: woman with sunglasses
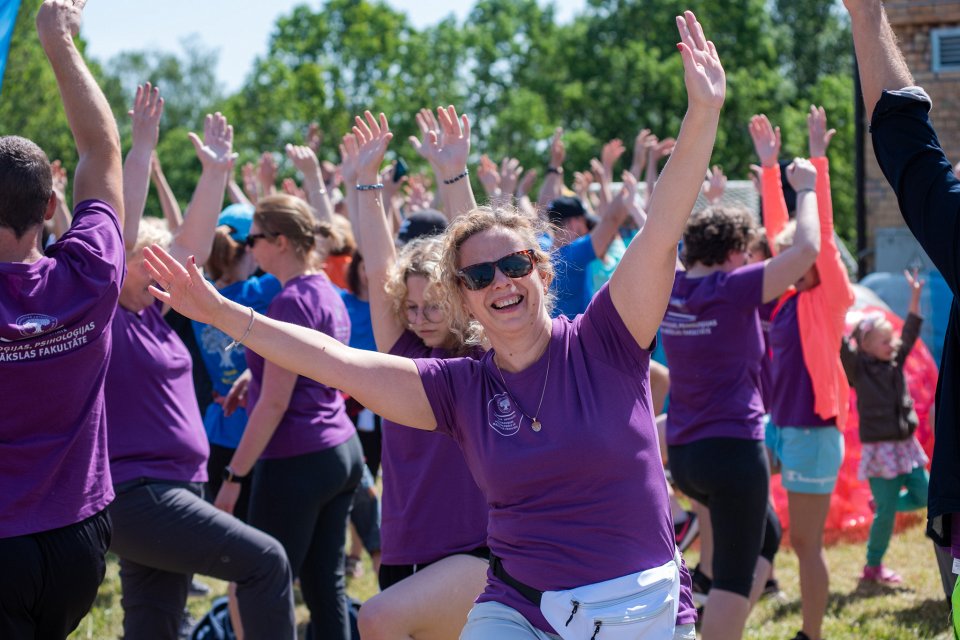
(555,421)
(298,434)
(434,520)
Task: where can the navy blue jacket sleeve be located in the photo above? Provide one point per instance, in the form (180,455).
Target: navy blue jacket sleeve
(914,163)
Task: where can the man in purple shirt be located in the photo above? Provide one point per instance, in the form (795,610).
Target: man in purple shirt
(54,346)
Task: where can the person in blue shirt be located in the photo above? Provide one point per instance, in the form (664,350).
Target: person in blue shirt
(577,241)
(231,268)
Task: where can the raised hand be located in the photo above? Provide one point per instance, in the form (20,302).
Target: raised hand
(489,176)
(662,148)
(216,149)
(59,180)
(59,17)
(558,152)
(510,171)
(640,153)
(914,280)
(267,174)
(349,155)
(526,183)
(305,160)
(373,137)
(766,140)
(145,117)
(756,175)
(628,198)
(610,153)
(820,136)
(715,185)
(702,72)
(802,175)
(182,287)
(581,184)
(447,146)
(249,176)
(314,137)
(289,186)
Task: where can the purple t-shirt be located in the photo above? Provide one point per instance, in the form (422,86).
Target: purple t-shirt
(154,422)
(585,499)
(55,316)
(766,363)
(316,418)
(713,341)
(791,402)
(431,506)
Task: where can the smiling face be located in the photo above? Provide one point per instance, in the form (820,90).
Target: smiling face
(508,306)
(424,316)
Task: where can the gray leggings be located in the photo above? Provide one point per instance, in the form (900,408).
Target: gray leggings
(164,532)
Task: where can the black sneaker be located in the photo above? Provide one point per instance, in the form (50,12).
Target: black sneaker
(687,531)
(197,588)
(701,587)
(801,636)
(772,590)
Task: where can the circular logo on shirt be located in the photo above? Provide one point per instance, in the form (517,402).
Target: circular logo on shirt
(33,324)
(501,415)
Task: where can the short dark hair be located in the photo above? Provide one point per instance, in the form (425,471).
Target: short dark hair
(714,232)
(26,183)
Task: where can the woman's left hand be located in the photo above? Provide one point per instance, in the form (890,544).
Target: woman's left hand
(227,497)
(703,74)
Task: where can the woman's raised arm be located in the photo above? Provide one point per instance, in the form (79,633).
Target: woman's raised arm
(387,385)
(641,284)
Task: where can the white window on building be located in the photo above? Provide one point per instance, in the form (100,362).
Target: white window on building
(945,49)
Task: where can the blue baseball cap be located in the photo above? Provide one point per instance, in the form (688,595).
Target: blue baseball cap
(238,217)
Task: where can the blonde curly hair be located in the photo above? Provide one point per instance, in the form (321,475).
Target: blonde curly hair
(525,227)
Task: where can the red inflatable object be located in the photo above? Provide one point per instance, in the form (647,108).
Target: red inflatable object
(850,515)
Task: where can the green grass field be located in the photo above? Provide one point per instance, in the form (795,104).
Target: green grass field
(916,609)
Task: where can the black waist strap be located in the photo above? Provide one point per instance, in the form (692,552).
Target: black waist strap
(528,592)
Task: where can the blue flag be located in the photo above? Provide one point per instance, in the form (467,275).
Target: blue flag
(8,18)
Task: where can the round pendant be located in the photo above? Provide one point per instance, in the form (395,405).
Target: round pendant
(535,425)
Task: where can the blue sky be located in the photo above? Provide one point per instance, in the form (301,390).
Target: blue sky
(239,29)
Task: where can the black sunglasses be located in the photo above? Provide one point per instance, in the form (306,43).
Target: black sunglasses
(253,237)
(515,265)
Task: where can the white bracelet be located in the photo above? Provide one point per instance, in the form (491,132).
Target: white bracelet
(236,343)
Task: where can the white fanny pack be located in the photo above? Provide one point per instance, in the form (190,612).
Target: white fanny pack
(639,606)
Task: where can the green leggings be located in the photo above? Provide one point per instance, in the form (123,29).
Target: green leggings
(906,492)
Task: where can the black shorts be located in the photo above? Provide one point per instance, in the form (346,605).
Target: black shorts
(391,574)
(48,580)
(731,478)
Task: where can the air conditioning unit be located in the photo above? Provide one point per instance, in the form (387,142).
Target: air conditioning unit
(945,49)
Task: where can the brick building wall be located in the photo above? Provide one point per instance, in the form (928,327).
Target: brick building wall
(913,20)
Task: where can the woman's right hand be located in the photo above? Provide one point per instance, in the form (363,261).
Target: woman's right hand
(766,140)
(183,288)
(237,396)
(802,175)
(373,137)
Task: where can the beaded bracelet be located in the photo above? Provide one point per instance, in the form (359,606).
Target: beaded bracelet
(370,187)
(236,343)
(458,178)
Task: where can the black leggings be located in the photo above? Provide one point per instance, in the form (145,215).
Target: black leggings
(732,478)
(304,502)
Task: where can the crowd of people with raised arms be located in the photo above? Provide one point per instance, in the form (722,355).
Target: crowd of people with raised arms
(214,392)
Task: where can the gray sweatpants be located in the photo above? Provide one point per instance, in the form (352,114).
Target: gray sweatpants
(164,532)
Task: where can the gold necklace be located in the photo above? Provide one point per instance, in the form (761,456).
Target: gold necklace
(534,423)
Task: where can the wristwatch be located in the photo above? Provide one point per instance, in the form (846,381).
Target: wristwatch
(557,170)
(230,476)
